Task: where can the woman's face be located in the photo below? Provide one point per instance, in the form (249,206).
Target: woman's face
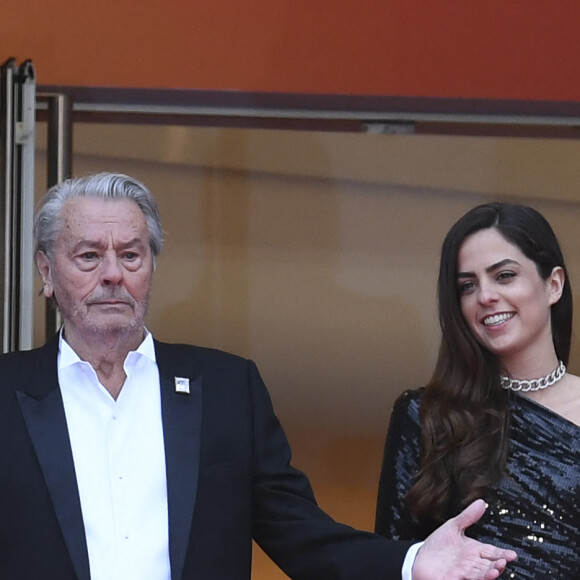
(503,298)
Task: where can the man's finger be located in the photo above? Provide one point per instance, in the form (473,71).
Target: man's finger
(492,553)
(470,514)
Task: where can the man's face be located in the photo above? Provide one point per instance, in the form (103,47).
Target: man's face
(101,269)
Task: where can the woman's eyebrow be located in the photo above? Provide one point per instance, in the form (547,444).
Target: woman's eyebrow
(489,269)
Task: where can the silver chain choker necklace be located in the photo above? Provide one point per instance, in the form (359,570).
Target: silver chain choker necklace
(534,384)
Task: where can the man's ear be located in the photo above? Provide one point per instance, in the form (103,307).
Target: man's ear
(556,283)
(43,265)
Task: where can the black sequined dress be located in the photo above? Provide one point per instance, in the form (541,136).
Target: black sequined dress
(534,510)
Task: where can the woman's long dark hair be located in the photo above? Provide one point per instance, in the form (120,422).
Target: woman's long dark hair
(464,410)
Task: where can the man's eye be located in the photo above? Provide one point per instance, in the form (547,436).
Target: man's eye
(130,255)
(89,256)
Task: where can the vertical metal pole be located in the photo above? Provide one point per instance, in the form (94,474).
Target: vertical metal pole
(6,173)
(24,190)
(59,138)
(59,168)
(17,118)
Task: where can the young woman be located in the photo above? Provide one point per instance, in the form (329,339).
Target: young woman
(500,417)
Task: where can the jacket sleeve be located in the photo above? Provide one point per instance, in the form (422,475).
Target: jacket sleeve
(287,522)
(399,468)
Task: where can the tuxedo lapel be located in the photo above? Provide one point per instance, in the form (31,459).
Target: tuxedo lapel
(182,416)
(43,413)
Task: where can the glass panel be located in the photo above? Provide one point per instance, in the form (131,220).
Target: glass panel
(316,254)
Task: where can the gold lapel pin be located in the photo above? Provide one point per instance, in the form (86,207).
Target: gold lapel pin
(182,385)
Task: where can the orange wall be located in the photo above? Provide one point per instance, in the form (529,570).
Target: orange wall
(445,48)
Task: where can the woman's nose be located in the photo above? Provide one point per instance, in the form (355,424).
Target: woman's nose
(487,293)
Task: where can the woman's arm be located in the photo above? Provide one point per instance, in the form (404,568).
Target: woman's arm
(400,464)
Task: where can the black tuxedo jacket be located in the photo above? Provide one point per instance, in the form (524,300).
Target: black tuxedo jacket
(229,479)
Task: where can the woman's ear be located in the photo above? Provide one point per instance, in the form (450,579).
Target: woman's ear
(43,265)
(556,282)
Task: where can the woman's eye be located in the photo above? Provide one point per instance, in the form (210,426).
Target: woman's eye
(466,287)
(505,276)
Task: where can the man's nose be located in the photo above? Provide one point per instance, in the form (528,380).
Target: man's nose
(111,271)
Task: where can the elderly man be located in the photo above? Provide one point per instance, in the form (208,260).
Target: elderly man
(126,458)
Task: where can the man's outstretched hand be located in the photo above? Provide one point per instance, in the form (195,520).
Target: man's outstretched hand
(448,554)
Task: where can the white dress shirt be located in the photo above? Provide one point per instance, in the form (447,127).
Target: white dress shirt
(407,572)
(119,460)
